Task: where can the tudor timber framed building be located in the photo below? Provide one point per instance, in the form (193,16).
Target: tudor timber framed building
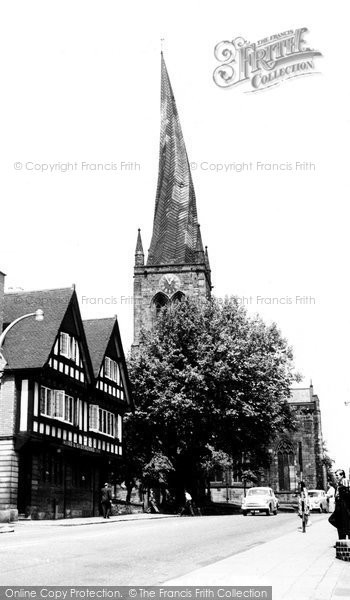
(64,391)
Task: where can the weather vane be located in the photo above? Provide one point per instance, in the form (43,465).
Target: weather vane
(161,44)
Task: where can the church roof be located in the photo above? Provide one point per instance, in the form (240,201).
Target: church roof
(175,226)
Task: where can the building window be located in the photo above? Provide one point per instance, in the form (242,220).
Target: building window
(51,468)
(285,459)
(47,402)
(56,404)
(102,420)
(69,347)
(111,369)
(65,344)
(159,301)
(178,297)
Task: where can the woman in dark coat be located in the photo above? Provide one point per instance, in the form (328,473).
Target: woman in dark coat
(341,516)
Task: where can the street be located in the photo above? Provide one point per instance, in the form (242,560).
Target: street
(140,552)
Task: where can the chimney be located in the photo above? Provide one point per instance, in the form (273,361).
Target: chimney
(2,283)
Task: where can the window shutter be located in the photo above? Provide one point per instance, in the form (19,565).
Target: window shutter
(77,353)
(68,409)
(120,427)
(59,404)
(64,344)
(50,403)
(42,401)
(117,374)
(73,345)
(107,367)
(76,404)
(110,424)
(93,416)
(113,425)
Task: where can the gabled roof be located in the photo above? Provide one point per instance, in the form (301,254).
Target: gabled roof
(29,343)
(98,334)
(175,217)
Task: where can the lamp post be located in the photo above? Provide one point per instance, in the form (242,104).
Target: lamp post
(39,316)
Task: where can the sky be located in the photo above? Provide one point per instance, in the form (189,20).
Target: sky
(82,88)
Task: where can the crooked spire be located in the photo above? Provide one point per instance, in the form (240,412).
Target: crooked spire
(175,225)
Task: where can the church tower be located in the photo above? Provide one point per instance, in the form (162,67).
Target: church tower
(177,264)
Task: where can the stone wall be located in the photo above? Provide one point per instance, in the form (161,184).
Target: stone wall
(194,283)
(306,444)
(8,480)
(8,405)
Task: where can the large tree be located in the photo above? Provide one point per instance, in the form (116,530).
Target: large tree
(206,378)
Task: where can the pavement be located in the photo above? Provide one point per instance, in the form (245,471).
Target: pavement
(298,566)
(9,527)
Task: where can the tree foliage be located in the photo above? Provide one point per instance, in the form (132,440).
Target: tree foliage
(328,463)
(206,379)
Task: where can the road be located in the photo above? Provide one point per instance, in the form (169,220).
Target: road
(143,552)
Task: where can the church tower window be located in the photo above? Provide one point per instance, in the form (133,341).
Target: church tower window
(159,301)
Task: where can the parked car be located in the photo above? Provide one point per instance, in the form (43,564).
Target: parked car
(318,500)
(259,499)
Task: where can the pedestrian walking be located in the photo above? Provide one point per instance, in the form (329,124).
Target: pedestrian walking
(330,497)
(188,504)
(153,502)
(340,518)
(304,506)
(106,500)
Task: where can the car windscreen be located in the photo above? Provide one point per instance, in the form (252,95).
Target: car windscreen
(257,492)
(314,494)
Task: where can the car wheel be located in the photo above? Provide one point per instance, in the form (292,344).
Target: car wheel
(244,512)
(320,510)
(275,511)
(269,511)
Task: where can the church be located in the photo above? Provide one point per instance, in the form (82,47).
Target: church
(177,265)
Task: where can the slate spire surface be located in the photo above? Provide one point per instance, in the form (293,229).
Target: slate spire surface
(175,225)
